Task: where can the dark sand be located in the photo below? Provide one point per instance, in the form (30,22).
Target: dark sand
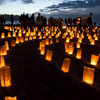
(34,78)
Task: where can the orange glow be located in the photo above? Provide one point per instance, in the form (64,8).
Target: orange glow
(30,37)
(66,65)
(47,41)
(64,26)
(16,31)
(67,39)
(41,45)
(32,33)
(34,37)
(17,40)
(4,50)
(5,76)
(49,55)
(26,38)
(13,43)
(70,50)
(66,33)
(44,36)
(14,34)
(66,45)
(9,34)
(43,41)
(88,75)
(96,37)
(63,36)
(42,52)
(49,36)
(10,98)
(56,36)
(20,34)
(92,42)
(78,45)
(7,45)
(67,48)
(78,35)
(51,41)
(59,34)
(71,36)
(46,33)
(89,36)
(27,33)
(24,31)
(71,44)
(80,40)
(2,61)
(3,35)
(1,51)
(57,40)
(40,37)
(82,36)
(52,34)
(39,33)
(94,60)
(21,39)
(78,55)
(6,27)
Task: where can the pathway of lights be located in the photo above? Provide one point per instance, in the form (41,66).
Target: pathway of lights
(47,36)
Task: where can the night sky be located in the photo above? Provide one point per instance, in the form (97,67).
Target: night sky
(49,8)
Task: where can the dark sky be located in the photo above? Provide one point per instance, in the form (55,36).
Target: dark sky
(49,8)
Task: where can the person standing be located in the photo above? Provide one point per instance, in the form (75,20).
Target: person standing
(32,20)
(2,21)
(39,21)
(49,22)
(84,22)
(69,22)
(12,19)
(74,21)
(66,21)
(89,20)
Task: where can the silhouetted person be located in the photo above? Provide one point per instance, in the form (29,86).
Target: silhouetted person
(20,18)
(53,22)
(58,21)
(84,22)
(2,20)
(24,21)
(49,22)
(66,21)
(44,21)
(39,21)
(74,22)
(12,19)
(89,20)
(27,20)
(61,24)
(33,20)
(94,23)
(70,21)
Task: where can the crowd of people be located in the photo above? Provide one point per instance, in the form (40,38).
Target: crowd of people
(41,21)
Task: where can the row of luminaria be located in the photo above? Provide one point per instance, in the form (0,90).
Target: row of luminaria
(47,34)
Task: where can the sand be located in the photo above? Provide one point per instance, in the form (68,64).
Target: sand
(34,78)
